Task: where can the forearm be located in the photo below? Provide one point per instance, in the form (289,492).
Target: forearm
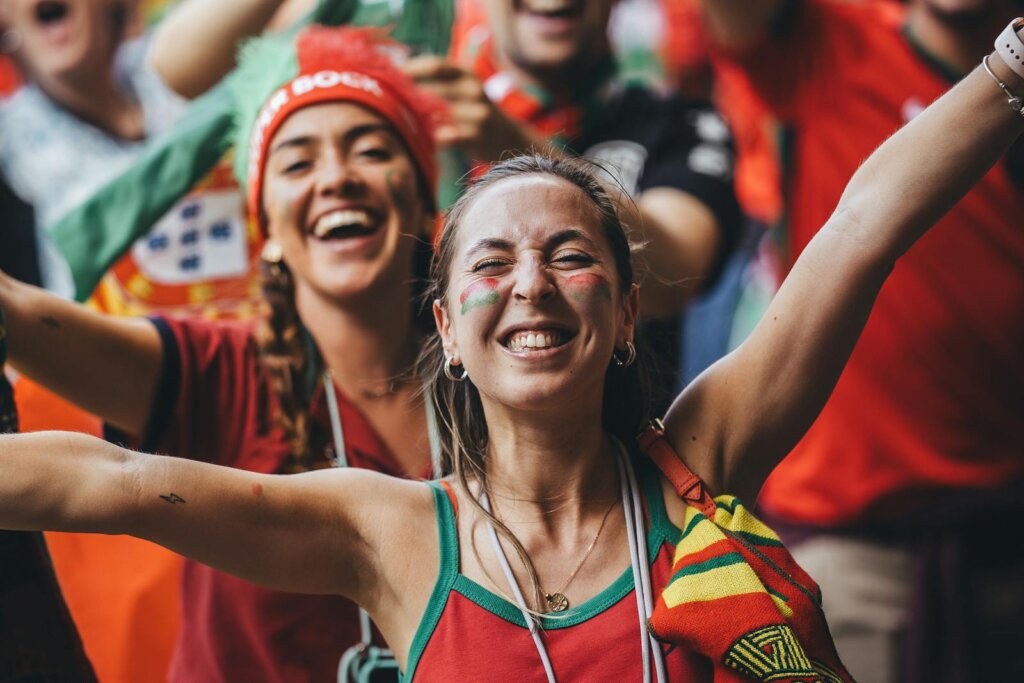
(917,175)
(212,31)
(64,481)
(108,366)
(681,242)
(736,23)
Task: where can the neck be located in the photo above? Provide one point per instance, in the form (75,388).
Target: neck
(99,100)
(364,344)
(562,86)
(958,40)
(539,462)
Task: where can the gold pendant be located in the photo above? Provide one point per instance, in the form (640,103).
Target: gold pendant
(557,602)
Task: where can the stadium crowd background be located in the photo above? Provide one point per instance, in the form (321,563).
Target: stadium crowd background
(889,502)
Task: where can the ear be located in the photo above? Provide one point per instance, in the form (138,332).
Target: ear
(630,310)
(444,328)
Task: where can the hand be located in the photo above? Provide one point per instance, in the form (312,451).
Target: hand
(476,124)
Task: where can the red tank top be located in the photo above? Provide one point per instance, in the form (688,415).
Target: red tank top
(470,634)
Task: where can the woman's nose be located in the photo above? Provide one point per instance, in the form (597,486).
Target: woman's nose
(533,280)
(337,177)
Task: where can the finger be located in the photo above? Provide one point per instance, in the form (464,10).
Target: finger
(431,68)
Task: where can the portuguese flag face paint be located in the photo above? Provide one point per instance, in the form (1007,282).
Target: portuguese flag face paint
(588,286)
(481,293)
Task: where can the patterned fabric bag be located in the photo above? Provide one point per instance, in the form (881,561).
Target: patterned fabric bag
(736,595)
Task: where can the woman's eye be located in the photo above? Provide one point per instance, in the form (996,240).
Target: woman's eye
(573,258)
(488,264)
(376,153)
(297,166)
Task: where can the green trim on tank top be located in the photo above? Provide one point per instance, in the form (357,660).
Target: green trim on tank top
(446,576)
(661,531)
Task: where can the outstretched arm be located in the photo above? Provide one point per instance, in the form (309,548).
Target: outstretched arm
(212,31)
(109,366)
(751,408)
(315,532)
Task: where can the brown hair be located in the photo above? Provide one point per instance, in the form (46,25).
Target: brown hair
(463,428)
(285,351)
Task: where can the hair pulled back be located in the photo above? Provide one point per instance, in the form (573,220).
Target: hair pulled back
(463,429)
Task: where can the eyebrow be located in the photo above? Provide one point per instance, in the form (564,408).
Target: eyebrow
(351,135)
(556,240)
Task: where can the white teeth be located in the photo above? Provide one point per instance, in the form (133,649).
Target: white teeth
(336,219)
(533,340)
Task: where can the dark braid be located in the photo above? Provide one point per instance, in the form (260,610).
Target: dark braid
(283,354)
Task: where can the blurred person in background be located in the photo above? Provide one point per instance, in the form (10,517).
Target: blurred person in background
(521,77)
(343,190)
(890,500)
(525,75)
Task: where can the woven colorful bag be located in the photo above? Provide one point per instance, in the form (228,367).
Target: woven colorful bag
(736,595)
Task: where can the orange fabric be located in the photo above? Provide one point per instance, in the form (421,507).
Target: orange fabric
(122,592)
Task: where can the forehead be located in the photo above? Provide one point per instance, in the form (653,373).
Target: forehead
(329,120)
(527,211)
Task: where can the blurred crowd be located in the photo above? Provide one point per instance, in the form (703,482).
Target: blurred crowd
(733,127)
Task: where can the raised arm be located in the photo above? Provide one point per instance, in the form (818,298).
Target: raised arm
(212,31)
(316,532)
(109,366)
(739,419)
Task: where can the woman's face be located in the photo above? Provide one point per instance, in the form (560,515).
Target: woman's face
(535,307)
(341,197)
(64,40)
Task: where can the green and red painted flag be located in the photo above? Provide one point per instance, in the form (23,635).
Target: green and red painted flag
(481,293)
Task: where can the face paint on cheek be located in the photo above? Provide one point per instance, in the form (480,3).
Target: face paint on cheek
(587,287)
(398,197)
(480,293)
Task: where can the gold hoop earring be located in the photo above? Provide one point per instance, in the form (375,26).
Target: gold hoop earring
(450,374)
(272,252)
(273,256)
(630,356)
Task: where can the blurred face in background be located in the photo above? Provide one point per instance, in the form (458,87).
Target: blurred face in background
(68,41)
(551,39)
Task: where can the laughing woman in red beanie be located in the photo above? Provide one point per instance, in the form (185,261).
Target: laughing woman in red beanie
(335,146)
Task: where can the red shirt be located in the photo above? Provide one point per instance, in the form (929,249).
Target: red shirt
(217,406)
(930,402)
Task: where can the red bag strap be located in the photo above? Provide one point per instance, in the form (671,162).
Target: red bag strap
(688,485)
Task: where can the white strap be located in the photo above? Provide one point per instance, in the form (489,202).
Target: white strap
(636,533)
(1010,48)
(638,552)
(341,460)
(531,621)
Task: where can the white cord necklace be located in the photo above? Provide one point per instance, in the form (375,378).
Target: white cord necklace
(341,460)
(637,535)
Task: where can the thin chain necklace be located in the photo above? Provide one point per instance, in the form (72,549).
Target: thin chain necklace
(557,602)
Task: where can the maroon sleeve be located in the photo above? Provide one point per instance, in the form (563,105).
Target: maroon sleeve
(801,55)
(211,401)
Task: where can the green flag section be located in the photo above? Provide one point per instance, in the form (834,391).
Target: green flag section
(95,235)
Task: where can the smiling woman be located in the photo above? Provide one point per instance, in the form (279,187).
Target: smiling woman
(540,439)
(340,177)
